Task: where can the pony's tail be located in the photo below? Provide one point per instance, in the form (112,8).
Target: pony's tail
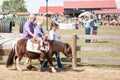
(10,57)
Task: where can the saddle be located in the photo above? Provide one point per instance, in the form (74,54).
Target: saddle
(36,46)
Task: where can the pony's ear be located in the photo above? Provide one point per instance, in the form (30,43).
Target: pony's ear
(66,44)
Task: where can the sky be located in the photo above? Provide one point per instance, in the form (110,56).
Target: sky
(34,5)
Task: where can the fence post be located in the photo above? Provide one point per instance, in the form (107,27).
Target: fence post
(74,52)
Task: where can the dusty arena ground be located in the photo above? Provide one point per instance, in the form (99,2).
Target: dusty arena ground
(80,73)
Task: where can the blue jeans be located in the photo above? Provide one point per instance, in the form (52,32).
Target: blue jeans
(87,32)
(58,61)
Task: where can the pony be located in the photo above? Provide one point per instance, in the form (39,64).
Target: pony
(19,51)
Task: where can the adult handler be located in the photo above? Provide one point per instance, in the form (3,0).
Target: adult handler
(88,26)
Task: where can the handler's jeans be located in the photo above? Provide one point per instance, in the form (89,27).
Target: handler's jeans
(58,62)
(87,32)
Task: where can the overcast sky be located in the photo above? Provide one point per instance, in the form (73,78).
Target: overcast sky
(34,5)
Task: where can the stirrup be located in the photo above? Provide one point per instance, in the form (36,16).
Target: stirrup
(42,49)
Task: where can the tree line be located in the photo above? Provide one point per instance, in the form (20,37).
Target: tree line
(13,6)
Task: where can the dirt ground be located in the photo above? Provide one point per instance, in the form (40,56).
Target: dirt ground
(80,73)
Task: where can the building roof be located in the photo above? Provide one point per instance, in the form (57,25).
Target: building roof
(51,9)
(22,13)
(16,13)
(4,13)
(107,11)
(90,4)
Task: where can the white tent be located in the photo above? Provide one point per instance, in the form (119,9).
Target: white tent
(88,14)
(49,13)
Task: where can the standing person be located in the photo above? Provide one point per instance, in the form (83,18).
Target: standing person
(76,23)
(53,36)
(88,26)
(94,29)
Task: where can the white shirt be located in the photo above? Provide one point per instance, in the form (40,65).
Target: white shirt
(88,23)
(53,35)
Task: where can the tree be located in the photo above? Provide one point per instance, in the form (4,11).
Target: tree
(13,6)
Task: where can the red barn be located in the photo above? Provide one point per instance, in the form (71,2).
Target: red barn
(76,7)
(51,9)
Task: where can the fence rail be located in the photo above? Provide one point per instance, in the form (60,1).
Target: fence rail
(98,48)
(92,37)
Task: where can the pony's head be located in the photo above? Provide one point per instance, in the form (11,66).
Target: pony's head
(67,51)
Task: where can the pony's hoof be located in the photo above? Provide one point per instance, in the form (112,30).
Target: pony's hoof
(53,70)
(15,68)
(30,67)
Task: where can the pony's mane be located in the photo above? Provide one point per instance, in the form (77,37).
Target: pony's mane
(56,45)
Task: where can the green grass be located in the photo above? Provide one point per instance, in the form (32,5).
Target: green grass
(102,43)
(109,30)
(102,30)
(2,62)
(79,64)
(96,54)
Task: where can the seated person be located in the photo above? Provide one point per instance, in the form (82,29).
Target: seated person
(113,22)
(41,37)
(28,29)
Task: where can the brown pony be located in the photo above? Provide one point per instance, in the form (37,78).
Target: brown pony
(19,50)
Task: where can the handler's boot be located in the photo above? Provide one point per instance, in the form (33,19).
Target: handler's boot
(30,67)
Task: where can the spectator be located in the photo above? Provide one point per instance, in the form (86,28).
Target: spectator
(88,26)
(113,22)
(94,29)
(105,22)
(76,23)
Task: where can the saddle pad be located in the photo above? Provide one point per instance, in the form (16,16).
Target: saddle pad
(32,47)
